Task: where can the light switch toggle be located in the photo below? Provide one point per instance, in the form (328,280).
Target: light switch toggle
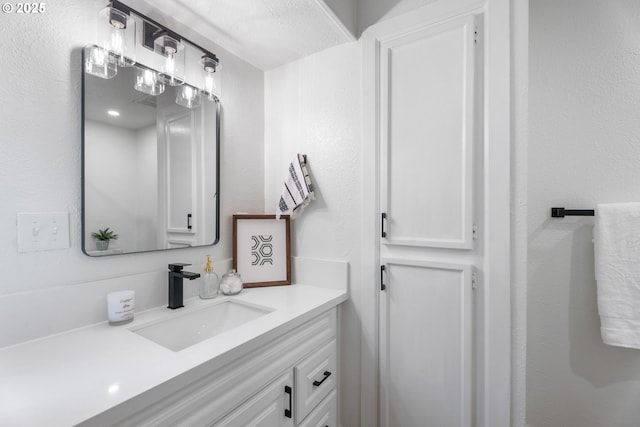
(42,231)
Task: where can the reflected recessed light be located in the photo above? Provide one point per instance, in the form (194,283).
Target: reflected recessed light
(113,388)
(113,113)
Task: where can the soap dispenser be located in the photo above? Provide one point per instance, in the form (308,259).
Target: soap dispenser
(210,282)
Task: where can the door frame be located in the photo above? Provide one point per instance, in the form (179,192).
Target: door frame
(493,399)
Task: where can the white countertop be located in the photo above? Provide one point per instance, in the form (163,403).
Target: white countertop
(64,379)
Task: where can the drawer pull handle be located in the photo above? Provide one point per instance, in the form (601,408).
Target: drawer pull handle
(326,374)
(287,412)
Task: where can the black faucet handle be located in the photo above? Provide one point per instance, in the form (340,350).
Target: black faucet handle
(177,266)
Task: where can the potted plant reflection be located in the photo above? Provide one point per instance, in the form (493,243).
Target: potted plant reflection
(103,237)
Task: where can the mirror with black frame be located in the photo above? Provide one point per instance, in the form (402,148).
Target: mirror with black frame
(150,167)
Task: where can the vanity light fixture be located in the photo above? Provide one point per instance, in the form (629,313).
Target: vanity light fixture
(170,59)
(117,34)
(211,85)
(98,64)
(188,96)
(164,63)
(147,81)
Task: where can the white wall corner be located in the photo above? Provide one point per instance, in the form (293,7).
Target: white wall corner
(519,132)
(343,14)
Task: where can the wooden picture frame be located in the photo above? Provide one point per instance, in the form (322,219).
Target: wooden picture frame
(262,249)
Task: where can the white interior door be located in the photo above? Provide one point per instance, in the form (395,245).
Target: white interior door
(181,167)
(430,190)
(181,174)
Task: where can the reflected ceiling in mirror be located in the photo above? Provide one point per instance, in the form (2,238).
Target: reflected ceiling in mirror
(150,165)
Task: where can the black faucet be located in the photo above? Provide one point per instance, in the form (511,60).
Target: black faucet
(175,283)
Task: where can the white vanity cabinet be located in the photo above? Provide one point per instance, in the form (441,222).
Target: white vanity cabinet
(307,384)
(287,381)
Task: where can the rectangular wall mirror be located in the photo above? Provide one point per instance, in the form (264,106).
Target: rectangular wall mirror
(150,167)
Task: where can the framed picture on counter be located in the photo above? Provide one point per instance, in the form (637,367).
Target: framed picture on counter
(262,249)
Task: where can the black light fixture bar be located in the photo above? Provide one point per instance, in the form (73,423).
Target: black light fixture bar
(151,33)
(152,28)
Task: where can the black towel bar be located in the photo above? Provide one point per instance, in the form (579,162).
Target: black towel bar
(562,212)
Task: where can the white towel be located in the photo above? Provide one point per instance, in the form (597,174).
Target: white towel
(617,263)
(297,192)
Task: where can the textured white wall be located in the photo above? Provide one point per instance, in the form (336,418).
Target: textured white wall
(312,106)
(147,177)
(519,141)
(111,190)
(584,148)
(40,148)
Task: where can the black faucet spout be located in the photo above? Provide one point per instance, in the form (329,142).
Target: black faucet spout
(176,274)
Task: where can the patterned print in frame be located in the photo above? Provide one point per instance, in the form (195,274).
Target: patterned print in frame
(261,249)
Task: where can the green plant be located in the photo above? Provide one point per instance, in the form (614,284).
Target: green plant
(104,234)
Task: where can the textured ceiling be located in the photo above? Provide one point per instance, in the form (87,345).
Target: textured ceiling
(265,33)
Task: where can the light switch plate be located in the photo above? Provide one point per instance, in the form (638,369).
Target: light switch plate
(42,231)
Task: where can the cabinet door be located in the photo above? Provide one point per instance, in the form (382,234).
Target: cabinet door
(426,344)
(325,414)
(427,136)
(271,407)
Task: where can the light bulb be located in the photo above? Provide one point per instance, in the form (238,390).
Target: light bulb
(210,83)
(148,77)
(97,56)
(170,65)
(117,42)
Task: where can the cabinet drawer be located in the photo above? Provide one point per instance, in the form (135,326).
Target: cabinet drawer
(270,407)
(315,377)
(325,415)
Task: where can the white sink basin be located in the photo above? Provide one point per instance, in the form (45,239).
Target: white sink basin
(182,330)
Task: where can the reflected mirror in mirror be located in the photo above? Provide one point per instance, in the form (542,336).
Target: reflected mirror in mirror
(150,165)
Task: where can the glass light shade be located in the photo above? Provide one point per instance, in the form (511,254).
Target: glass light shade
(188,96)
(117,35)
(212,77)
(97,63)
(170,60)
(147,81)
